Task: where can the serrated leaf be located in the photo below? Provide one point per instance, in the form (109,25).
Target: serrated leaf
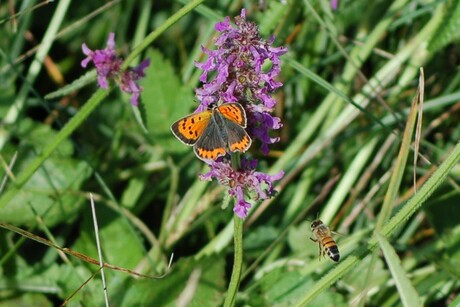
(165,99)
(165,292)
(282,286)
(407,292)
(120,242)
(51,191)
(84,80)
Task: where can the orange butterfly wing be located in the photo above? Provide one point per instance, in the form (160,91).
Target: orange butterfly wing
(190,128)
(234,112)
(238,139)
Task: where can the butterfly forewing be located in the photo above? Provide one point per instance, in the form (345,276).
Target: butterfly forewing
(190,128)
(234,112)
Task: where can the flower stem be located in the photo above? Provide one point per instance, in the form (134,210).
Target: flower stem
(237,264)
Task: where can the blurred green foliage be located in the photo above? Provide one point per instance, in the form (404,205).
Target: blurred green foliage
(149,200)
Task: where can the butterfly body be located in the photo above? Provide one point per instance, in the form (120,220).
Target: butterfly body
(214,132)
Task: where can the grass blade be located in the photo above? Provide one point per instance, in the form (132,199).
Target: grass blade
(407,292)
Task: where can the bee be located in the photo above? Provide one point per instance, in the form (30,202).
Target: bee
(323,235)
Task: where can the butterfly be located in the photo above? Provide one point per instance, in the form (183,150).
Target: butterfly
(215,131)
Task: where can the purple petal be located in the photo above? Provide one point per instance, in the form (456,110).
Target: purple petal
(223,25)
(111,41)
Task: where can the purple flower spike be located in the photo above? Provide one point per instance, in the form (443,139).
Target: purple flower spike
(106,61)
(244,68)
(108,66)
(240,77)
(241,180)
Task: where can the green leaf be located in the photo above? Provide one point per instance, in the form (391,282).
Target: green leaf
(52,191)
(259,239)
(208,291)
(284,284)
(121,245)
(407,292)
(298,238)
(27,299)
(165,99)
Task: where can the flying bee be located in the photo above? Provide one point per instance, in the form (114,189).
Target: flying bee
(323,235)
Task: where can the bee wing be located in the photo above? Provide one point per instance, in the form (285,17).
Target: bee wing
(324,231)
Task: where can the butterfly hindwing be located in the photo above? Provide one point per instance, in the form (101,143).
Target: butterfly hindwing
(190,128)
(237,138)
(210,145)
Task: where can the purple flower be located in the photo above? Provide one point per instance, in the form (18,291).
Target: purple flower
(108,66)
(334,4)
(107,63)
(258,185)
(265,122)
(239,62)
(128,78)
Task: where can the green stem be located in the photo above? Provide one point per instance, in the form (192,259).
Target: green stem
(237,263)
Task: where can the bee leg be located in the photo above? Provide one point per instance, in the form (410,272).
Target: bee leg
(320,251)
